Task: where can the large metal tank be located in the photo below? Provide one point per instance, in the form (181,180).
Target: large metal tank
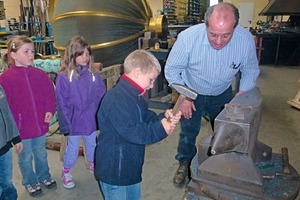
(112,27)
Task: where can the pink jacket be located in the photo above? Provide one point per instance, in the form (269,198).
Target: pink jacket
(30,94)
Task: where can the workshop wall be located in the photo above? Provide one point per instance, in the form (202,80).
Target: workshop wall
(13,9)
(155,5)
(258,6)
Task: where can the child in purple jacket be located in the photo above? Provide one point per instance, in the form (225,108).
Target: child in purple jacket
(79,90)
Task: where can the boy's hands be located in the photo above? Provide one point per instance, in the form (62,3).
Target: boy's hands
(19,147)
(48,117)
(169,123)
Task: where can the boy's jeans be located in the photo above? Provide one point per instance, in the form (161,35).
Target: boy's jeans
(34,149)
(7,189)
(115,192)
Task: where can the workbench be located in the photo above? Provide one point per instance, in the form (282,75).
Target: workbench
(278,48)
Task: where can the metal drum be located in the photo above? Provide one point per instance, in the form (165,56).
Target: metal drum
(112,27)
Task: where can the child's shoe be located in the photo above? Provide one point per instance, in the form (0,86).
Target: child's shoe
(92,167)
(66,178)
(49,183)
(33,189)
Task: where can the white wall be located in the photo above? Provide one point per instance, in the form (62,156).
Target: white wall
(12,10)
(156,5)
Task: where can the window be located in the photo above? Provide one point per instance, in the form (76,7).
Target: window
(213,2)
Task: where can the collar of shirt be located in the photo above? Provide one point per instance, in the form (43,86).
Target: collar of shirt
(81,69)
(135,84)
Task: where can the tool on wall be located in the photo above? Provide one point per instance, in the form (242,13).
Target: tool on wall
(34,15)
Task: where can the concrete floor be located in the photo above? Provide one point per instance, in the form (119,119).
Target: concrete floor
(280,127)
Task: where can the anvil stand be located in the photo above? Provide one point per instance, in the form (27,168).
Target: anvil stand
(233,165)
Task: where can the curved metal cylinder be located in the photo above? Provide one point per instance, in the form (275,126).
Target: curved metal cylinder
(111,27)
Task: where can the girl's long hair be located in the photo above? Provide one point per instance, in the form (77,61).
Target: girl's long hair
(75,48)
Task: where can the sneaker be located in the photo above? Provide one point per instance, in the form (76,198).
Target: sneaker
(92,167)
(67,180)
(49,183)
(33,189)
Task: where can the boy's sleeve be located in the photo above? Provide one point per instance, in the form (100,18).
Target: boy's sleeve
(16,140)
(125,120)
(11,130)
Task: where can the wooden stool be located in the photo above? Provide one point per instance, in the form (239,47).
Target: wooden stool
(295,102)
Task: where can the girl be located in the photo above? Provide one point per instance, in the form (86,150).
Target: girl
(79,89)
(9,136)
(31,97)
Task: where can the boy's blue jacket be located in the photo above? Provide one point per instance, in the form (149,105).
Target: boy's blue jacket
(126,126)
(78,101)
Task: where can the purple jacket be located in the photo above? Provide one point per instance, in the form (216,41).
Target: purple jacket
(30,94)
(78,101)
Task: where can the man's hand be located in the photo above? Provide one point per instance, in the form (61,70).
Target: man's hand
(239,93)
(187,107)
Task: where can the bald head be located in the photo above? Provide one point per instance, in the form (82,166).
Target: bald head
(221,20)
(222,13)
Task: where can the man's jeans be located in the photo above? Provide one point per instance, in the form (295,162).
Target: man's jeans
(34,149)
(115,192)
(7,189)
(190,128)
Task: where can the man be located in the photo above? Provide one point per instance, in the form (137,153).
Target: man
(205,58)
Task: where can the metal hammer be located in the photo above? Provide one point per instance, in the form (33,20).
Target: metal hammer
(184,92)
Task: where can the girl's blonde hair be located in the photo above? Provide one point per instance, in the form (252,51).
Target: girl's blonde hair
(13,45)
(75,47)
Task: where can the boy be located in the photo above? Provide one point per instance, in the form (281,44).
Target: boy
(126,126)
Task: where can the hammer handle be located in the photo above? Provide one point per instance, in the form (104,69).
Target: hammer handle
(285,161)
(178,103)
